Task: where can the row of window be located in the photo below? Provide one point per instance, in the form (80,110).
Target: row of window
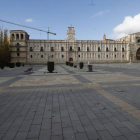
(62,49)
(31,56)
(17,36)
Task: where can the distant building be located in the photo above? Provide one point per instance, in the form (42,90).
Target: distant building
(28,50)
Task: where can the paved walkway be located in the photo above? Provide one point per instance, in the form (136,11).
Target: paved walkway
(70,104)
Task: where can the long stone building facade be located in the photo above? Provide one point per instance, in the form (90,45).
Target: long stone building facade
(28,50)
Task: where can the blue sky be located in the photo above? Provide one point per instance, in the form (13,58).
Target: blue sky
(91,18)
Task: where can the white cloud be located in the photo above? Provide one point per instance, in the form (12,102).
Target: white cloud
(29,20)
(130,25)
(100,13)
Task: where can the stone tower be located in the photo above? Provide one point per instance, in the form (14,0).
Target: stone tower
(104,37)
(18,43)
(71,33)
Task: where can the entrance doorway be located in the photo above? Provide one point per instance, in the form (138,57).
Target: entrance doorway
(70,59)
(138,54)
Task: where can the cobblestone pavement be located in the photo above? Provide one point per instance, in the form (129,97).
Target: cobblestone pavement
(71,103)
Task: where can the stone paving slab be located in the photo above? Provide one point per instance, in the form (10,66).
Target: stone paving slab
(82,110)
(81,79)
(44,86)
(11,81)
(46,80)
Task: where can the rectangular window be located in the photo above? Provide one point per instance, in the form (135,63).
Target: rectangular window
(17,49)
(71,49)
(31,49)
(52,49)
(17,44)
(78,48)
(107,49)
(41,49)
(62,49)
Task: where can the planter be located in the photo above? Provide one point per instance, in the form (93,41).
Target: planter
(81,65)
(71,64)
(90,68)
(18,64)
(11,65)
(50,66)
(1,65)
(7,64)
(67,63)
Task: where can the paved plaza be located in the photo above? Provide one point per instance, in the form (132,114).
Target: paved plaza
(71,103)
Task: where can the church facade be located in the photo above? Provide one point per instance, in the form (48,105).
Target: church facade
(28,50)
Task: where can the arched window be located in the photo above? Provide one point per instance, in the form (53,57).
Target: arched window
(17,36)
(41,56)
(79,56)
(98,49)
(122,49)
(22,36)
(13,37)
(62,56)
(122,56)
(88,49)
(107,56)
(115,55)
(31,56)
(115,49)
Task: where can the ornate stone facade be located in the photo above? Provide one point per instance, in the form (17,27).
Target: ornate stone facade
(28,50)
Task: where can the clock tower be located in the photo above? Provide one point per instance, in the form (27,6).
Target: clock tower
(71,33)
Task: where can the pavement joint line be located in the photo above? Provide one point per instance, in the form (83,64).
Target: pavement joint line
(2,88)
(42,89)
(120,85)
(122,104)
